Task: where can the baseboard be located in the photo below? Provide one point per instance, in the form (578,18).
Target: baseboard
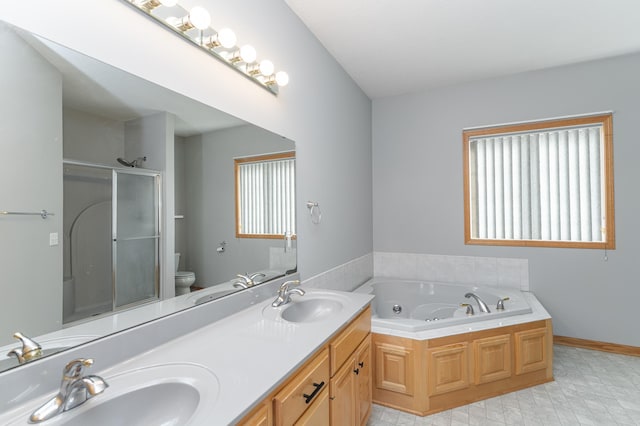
(597,346)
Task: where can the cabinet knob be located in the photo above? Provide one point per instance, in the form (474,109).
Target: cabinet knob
(357,371)
(361,364)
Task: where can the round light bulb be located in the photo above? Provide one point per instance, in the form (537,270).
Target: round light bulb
(248,53)
(168,3)
(200,18)
(282,78)
(227,38)
(266,67)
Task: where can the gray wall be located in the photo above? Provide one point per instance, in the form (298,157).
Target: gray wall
(210,203)
(418,203)
(321,109)
(31,136)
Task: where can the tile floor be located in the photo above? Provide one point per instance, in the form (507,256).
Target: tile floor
(590,388)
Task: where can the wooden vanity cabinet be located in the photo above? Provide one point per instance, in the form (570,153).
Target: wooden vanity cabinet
(350,389)
(427,376)
(334,388)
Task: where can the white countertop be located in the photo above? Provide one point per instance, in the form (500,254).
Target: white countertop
(250,353)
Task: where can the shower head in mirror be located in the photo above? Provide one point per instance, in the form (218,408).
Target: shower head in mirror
(135,163)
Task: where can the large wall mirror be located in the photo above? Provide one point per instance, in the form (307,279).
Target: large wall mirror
(72,128)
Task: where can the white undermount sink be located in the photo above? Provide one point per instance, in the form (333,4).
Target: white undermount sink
(310,310)
(314,306)
(167,394)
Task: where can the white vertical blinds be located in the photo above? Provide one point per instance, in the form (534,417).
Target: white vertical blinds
(540,185)
(267,197)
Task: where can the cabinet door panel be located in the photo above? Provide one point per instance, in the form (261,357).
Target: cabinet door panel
(448,368)
(394,368)
(364,396)
(492,358)
(531,350)
(342,393)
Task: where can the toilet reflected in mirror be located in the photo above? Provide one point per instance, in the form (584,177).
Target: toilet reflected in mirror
(184,279)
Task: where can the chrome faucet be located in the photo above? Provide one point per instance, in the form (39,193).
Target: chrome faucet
(246,281)
(469,308)
(483,306)
(30,349)
(75,389)
(500,305)
(284,293)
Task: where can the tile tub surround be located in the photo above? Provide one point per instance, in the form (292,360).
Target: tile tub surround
(590,388)
(484,271)
(345,277)
(236,349)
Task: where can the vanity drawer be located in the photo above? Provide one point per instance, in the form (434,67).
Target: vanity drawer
(307,385)
(348,340)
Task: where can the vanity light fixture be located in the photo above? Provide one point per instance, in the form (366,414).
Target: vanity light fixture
(194,26)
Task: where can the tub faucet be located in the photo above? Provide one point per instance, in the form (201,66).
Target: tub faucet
(500,305)
(483,306)
(75,389)
(30,349)
(284,293)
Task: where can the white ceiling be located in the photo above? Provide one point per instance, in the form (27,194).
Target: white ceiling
(391,47)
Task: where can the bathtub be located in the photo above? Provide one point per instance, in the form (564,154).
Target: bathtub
(428,355)
(414,306)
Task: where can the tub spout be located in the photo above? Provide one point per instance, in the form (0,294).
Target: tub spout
(483,306)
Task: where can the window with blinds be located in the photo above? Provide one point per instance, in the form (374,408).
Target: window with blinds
(545,183)
(265,196)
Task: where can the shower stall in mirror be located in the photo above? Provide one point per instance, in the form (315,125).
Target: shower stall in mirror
(111,239)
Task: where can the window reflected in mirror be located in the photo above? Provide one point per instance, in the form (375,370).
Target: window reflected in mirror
(265,196)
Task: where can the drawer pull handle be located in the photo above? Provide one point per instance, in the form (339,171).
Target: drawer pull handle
(308,398)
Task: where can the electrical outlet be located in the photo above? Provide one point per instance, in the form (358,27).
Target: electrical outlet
(53,239)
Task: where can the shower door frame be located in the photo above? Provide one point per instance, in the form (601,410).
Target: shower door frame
(157,180)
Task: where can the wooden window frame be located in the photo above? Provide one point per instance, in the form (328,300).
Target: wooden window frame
(236,169)
(606,120)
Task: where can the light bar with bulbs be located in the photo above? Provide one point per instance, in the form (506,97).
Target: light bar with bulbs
(194,26)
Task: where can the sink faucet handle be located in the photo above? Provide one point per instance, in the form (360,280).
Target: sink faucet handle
(500,305)
(75,369)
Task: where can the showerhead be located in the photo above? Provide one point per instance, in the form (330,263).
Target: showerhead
(126,163)
(134,163)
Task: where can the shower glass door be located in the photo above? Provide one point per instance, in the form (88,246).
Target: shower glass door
(136,237)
